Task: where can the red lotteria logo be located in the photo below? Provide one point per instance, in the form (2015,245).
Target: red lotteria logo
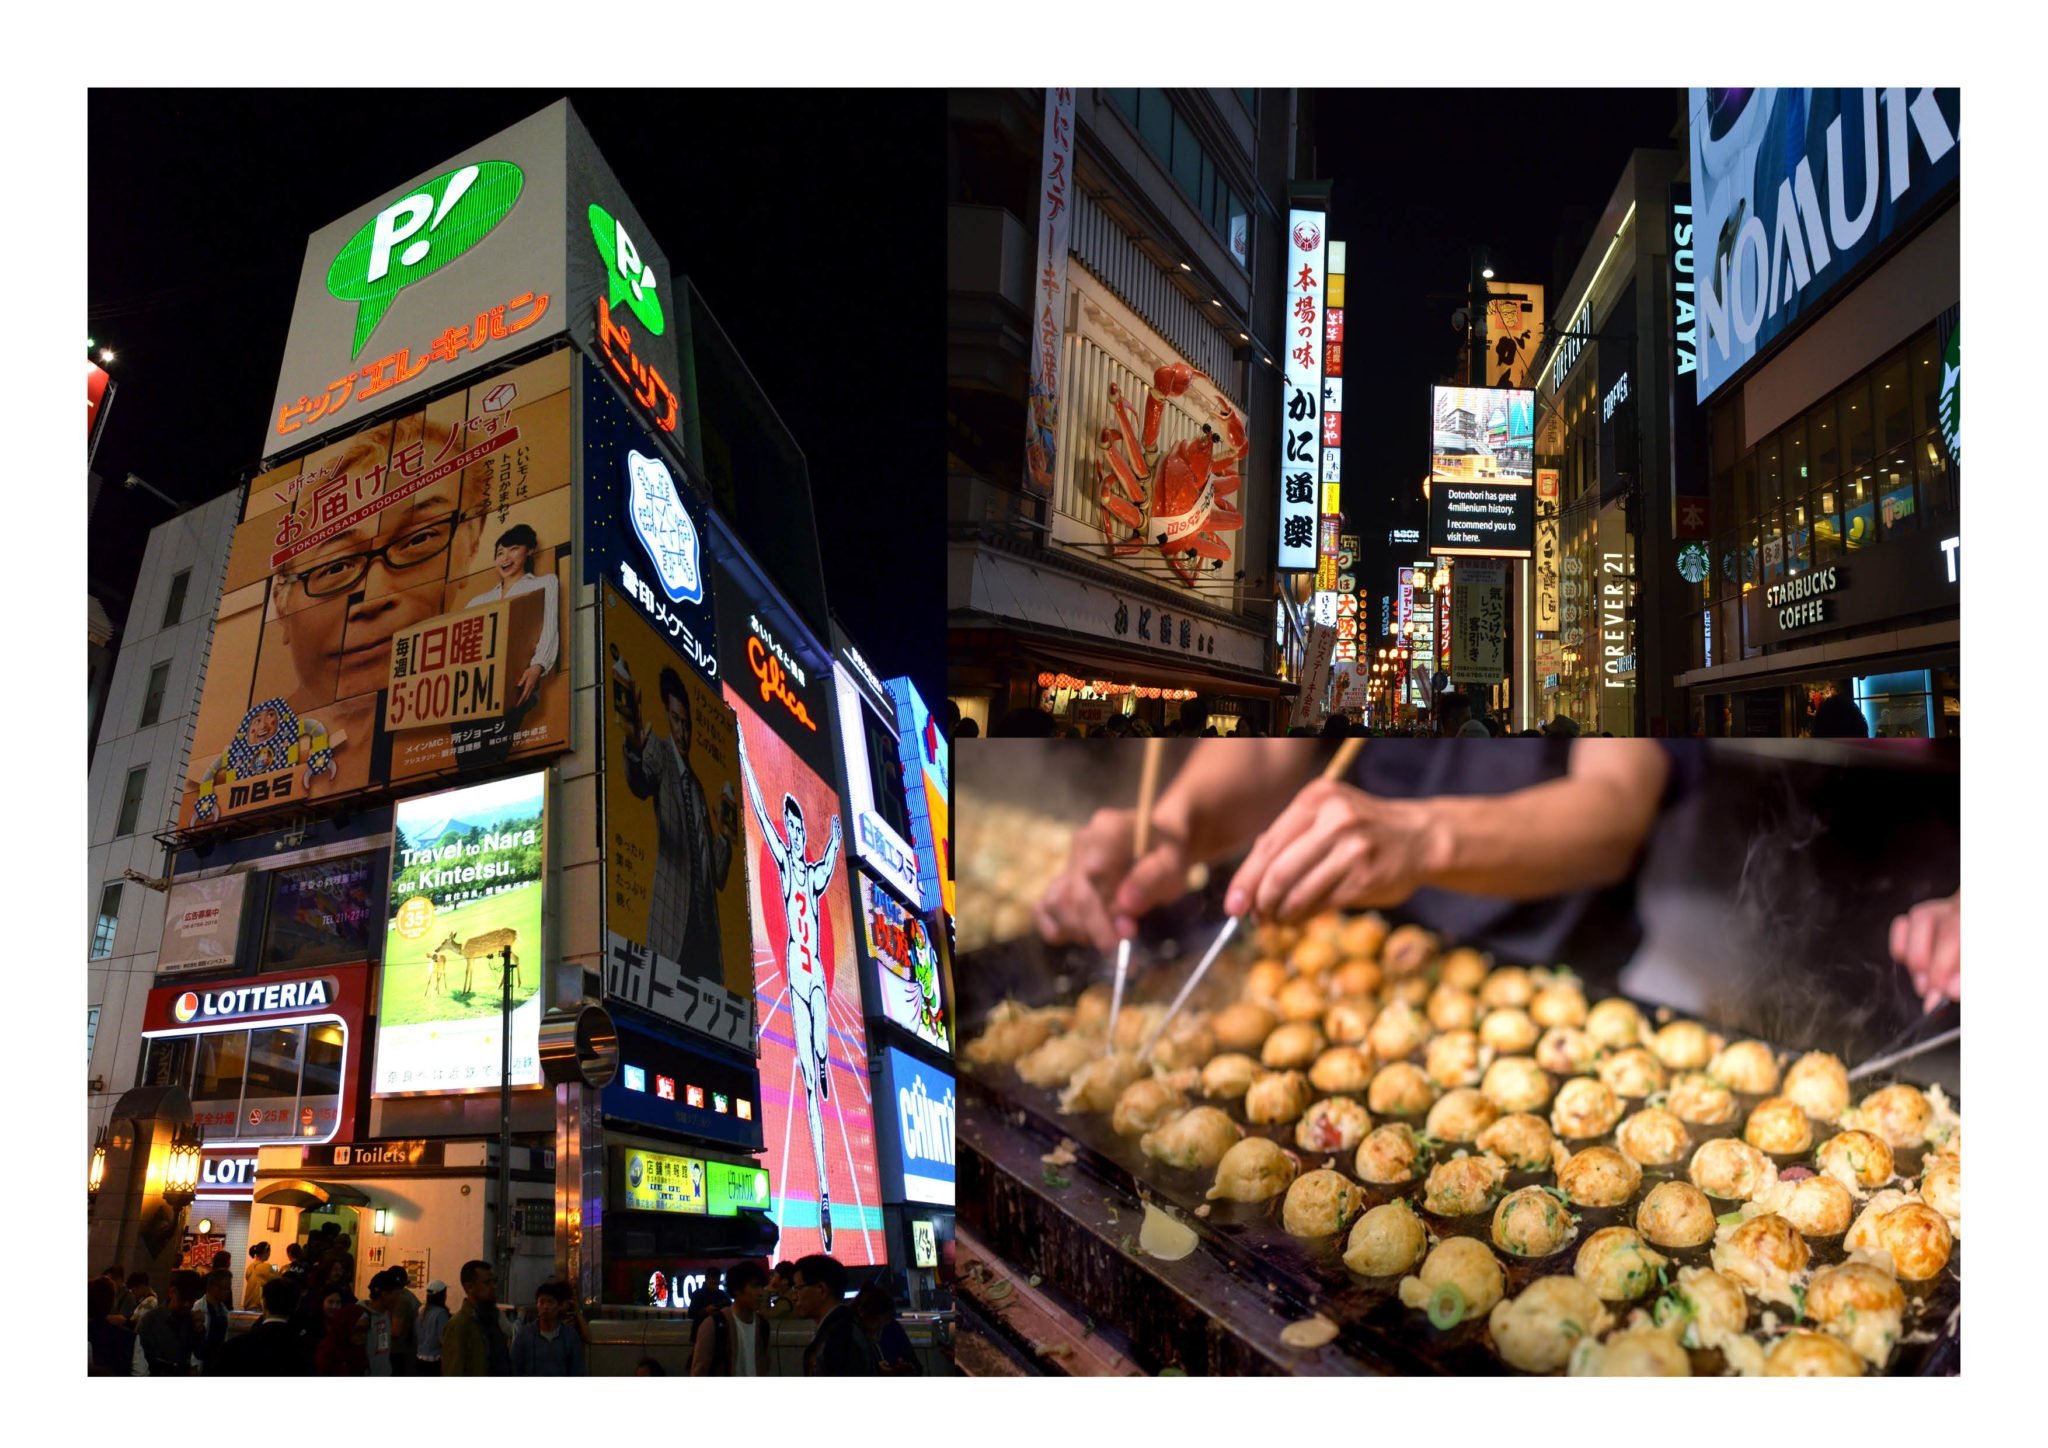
(1308,236)
(186,1007)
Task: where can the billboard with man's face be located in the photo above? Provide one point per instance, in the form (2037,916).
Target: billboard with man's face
(394,606)
(819,1126)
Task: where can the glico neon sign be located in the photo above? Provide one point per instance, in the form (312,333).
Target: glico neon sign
(774,669)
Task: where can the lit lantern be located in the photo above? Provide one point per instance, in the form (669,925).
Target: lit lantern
(1045,681)
(181,1171)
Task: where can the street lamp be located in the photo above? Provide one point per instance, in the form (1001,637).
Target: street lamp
(181,1171)
(96,1173)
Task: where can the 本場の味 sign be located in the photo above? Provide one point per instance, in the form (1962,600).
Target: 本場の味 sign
(1302,398)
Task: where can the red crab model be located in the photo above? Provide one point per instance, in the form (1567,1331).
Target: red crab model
(1187,505)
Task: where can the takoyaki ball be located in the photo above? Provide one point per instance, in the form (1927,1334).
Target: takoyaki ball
(1699,1099)
(1861,1305)
(1917,1236)
(1632,1072)
(1537,1331)
(1314,955)
(1304,998)
(1561,1003)
(1451,1009)
(1277,1097)
(1243,1025)
(1275,939)
(1508,1031)
(1263,981)
(1253,1170)
(1292,1047)
(1091,1008)
(1464,970)
(1676,1214)
(1461,1115)
(1145,1104)
(1599,1176)
(1732,1170)
(1408,950)
(1616,1024)
(1362,936)
(1819,1083)
(1397,1031)
(1325,925)
(1335,1124)
(1584,1108)
(1804,1354)
(1228,1077)
(1187,1042)
(1530,1223)
(1413,989)
(1320,1204)
(1452,1059)
(1522,1140)
(1388,1154)
(1900,1114)
(1135,1026)
(1653,1137)
(1941,1187)
(1464,1186)
(1196,1138)
(1747,1066)
(1566,1051)
(1356,978)
(1856,1159)
(1617,1264)
(1054,1063)
(1341,1068)
(1460,1279)
(1638,1352)
(1684,1045)
(1011,1033)
(1348,1020)
(1778,1125)
(1508,986)
(1764,1254)
(1097,1085)
(1517,1083)
(1400,1089)
(1819,1206)
(1712,1303)
(1386,1241)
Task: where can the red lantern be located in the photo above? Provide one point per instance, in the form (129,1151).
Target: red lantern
(1045,681)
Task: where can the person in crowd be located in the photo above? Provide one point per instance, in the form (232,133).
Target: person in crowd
(547,1347)
(1839,718)
(377,1304)
(780,1301)
(257,1275)
(733,1340)
(1024,723)
(170,1335)
(116,1277)
(112,1342)
(1562,727)
(405,1318)
(222,1262)
(968,730)
(141,1299)
(1336,727)
(433,1321)
(473,1344)
(273,1348)
(214,1307)
(648,1367)
(838,1349)
(876,1310)
(344,1351)
(295,1263)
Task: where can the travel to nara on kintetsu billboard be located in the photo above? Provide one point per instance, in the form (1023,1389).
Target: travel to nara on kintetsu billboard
(394,606)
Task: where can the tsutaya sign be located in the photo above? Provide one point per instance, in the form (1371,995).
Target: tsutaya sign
(1793,189)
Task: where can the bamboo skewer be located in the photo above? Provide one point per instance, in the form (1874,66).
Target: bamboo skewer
(1148,790)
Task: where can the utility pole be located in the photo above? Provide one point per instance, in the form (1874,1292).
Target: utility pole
(505,1238)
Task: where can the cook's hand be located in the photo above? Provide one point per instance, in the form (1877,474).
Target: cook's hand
(1928,941)
(1335,845)
(1097,899)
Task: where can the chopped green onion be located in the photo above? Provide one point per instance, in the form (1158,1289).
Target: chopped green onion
(1446,1306)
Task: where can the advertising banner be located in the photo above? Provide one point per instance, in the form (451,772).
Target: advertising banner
(818,1120)
(677,942)
(1315,670)
(730,1187)
(1548,551)
(1620,438)
(468,873)
(1514,332)
(1495,519)
(925,756)
(1301,427)
(654,1181)
(773,662)
(202,921)
(672,1083)
(96,383)
(907,989)
(863,720)
(1482,433)
(357,644)
(917,1130)
(1049,302)
(1793,190)
(1479,611)
(325,912)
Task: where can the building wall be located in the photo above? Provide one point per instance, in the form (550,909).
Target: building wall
(119,983)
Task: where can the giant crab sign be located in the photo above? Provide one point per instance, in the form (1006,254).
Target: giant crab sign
(1178,503)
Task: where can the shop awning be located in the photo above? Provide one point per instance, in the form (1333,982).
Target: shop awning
(1090,658)
(304,1192)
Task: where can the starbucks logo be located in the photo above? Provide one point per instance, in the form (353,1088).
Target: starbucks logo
(1693,563)
(1950,408)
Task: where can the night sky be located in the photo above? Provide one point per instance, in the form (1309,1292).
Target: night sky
(810,221)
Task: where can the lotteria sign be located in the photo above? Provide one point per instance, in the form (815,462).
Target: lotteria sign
(295,997)
(1794,189)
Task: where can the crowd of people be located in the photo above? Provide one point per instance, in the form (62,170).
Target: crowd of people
(1457,715)
(312,1322)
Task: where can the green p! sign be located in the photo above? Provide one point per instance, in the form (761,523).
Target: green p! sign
(632,280)
(418,234)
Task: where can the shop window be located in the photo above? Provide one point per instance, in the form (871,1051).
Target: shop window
(1859,511)
(320,1086)
(153,694)
(1798,535)
(1827,523)
(1923,378)
(1937,484)
(271,1097)
(1155,122)
(1853,416)
(1770,473)
(1725,579)
(167,1061)
(174,606)
(1823,443)
(217,1068)
(131,799)
(1894,403)
(107,921)
(1773,537)
(1898,509)
(1898,706)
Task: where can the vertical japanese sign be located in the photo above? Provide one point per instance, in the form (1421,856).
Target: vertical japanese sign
(1404,594)
(1514,332)
(1547,558)
(1479,622)
(1422,659)
(1301,429)
(1331,473)
(1688,425)
(1050,301)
